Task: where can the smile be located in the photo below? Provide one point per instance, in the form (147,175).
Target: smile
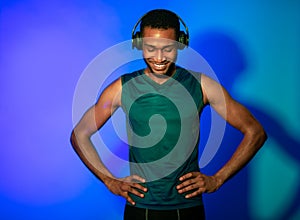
(160,66)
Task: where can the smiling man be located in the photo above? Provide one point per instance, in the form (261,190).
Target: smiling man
(160,52)
(163,103)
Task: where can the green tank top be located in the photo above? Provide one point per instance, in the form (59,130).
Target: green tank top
(163,134)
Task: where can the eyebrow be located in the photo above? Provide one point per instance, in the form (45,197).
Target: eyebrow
(152,46)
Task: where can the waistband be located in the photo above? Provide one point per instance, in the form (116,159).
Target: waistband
(196,212)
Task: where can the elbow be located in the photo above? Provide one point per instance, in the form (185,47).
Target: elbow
(73,139)
(78,138)
(260,136)
(256,135)
(265,136)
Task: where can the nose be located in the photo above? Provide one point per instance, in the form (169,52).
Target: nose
(159,56)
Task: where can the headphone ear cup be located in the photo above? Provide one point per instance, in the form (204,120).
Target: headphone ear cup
(183,40)
(137,41)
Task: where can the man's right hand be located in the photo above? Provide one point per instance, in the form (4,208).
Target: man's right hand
(124,186)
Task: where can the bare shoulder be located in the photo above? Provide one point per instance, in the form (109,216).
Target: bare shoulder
(111,95)
(213,91)
(116,85)
(231,110)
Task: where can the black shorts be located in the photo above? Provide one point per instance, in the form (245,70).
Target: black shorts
(134,213)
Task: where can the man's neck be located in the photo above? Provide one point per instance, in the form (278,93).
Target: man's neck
(160,78)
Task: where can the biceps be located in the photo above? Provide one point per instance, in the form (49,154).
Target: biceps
(239,116)
(232,111)
(98,114)
(87,125)
(103,111)
(93,119)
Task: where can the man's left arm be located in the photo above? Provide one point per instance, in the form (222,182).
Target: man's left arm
(239,117)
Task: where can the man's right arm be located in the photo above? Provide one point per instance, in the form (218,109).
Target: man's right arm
(92,121)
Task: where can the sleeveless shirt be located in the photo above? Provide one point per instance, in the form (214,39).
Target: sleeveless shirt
(162,122)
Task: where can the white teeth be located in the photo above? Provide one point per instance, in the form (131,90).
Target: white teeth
(159,65)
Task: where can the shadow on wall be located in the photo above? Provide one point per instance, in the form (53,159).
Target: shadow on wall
(232,201)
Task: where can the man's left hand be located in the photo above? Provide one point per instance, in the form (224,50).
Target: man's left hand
(197,183)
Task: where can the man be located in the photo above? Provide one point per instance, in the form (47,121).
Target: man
(165,180)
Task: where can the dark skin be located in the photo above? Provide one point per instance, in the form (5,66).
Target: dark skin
(160,54)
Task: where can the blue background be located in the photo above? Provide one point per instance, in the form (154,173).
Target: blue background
(253,47)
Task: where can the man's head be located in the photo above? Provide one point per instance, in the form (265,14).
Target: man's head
(160,19)
(158,38)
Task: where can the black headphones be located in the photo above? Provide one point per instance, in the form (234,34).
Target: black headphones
(137,42)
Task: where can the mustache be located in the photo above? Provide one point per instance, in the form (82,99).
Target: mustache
(161,63)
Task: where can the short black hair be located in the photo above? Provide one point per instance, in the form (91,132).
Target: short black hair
(161,19)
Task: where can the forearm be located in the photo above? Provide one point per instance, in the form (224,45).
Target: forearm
(246,150)
(88,154)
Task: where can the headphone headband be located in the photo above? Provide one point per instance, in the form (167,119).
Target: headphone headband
(183,37)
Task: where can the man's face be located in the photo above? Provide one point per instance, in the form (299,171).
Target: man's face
(160,50)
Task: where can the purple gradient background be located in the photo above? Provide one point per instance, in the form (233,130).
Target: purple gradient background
(46,45)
